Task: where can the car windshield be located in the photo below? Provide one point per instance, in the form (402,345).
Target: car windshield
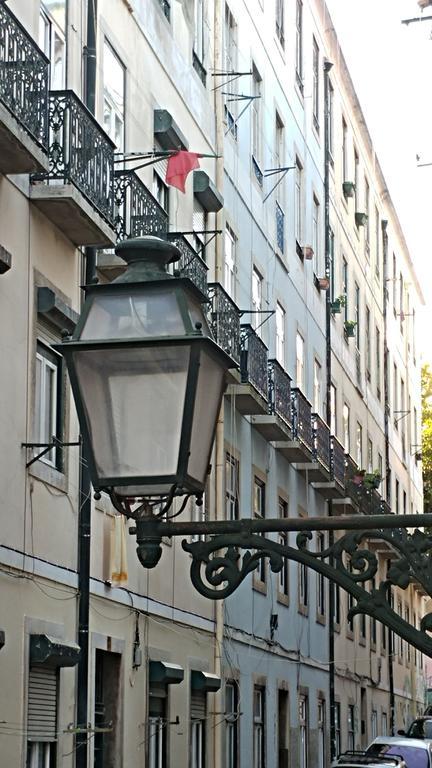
(415,757)
(420,729)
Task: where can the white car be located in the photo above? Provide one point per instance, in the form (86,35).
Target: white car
(354,759)
(415,752)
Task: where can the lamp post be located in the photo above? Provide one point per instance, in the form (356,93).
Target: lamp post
(147,380)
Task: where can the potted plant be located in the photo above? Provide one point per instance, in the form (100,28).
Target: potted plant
(348,188)
(308,252)
(372,480)
(350,328)
(360,219)
(323,283)
(337,303)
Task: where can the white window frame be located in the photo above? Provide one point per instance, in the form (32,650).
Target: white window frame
(49,30)
(299,44)
(231,724)
(280,21)
(300,362)
(41,431)
(316,245)
(115,128)
(317,387)
(280,334)
(258,727)
(303,731)
(321,733)
(230,246)
(298,202)
(257,298)
(346,418)
(197,744)
(199,37)
(156,742)
(315,83)
(256,116)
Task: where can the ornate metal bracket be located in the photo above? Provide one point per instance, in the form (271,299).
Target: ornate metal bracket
(218,568)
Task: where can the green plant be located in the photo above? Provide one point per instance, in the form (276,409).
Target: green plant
(350,328)
(372,480)
(337,303)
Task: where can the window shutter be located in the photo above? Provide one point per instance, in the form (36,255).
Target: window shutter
(42,704)
(198,218)
(198,705)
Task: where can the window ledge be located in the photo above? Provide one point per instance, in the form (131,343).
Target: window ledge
(282,598)
(50,475)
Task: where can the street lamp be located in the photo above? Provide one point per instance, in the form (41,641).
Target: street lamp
(147,379)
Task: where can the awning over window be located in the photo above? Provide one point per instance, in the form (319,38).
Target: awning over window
(166,131)
(55,310)
(165,673)
(53,651)
(205,681)
(206,192)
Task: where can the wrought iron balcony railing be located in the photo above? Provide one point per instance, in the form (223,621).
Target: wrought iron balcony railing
(321,440)
(80,152)
(279,389)
(190,265)
(302,418)
(225,320)
(253,360)
(137,212)
(337,461)
(369,500)
(24,72)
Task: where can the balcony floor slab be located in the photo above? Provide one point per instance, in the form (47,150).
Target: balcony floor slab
(19,153)
(330,490)
(271,427)
(345,506)
(295,451)
(314,471)
(247,400)
(71,212)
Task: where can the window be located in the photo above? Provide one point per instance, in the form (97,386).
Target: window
(259,493)
(166,8)
(373,623)
(346,427)
(231,487)
(52,40)
(408,645)
(374,724)
(369,455)
(351,727)
(395,398)
(199,226)
(331,120)
(368,344)
(394,281)
(332,264)
(321,733)
(280,22)
(279,162)
(304,731)
(317,387)
(350,606)
(256,123)
(337,606)
(160,190)
(337,722)
(316,235)
(230,242)
(315,86)
(400,641)
(199,513)
(367,212)
(356,181)
(403,417)
(299,44)
(113,96)
(42,716)
(280,334)
(283,728)
(345,176)
(230,65)
(257,286)
(198,717)
(357,314)
(380,466)
(303,586)
(333,410)
(321,582)
(283,584)
(299,360)
(359,445)
(384,726)
(397,488)
(345,286)
(199,41)
(232,715)
(259,727)
(107,709)
(378,361)
(48,402)
(401,301)
(298,202)
(377,244)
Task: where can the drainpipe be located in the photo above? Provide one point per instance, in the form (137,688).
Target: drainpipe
(219,442)
(331,587)
(390,639)
(81,745)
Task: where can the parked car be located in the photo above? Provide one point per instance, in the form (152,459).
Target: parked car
(415,752)
(420,728)
(355,759)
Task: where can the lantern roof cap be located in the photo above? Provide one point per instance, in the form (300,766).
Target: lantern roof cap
(147,258)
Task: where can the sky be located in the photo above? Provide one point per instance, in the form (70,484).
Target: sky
(391,65)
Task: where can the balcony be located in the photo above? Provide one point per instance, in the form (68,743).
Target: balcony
(358,498)
(250,396)
(224,320)
(77,192)
(276,424)
(299,449)
(190,265)
(137,212)
(24,72)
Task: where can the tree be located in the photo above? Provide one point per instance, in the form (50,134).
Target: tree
(426,397)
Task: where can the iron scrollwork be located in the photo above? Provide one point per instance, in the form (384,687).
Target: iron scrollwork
(218,568)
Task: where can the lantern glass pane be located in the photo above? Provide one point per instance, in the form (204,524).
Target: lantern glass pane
(134,400)
(137,315)
(197,316)
(207,403)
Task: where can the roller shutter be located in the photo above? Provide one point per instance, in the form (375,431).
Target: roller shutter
(198,706)
(42,704)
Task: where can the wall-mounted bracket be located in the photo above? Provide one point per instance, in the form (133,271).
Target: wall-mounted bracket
(47,447)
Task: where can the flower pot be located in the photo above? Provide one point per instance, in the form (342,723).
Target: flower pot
(308,252)
(348,188)
(335,307)
(350,329)
(361,219)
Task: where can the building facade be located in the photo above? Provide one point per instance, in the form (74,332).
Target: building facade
(91,97)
